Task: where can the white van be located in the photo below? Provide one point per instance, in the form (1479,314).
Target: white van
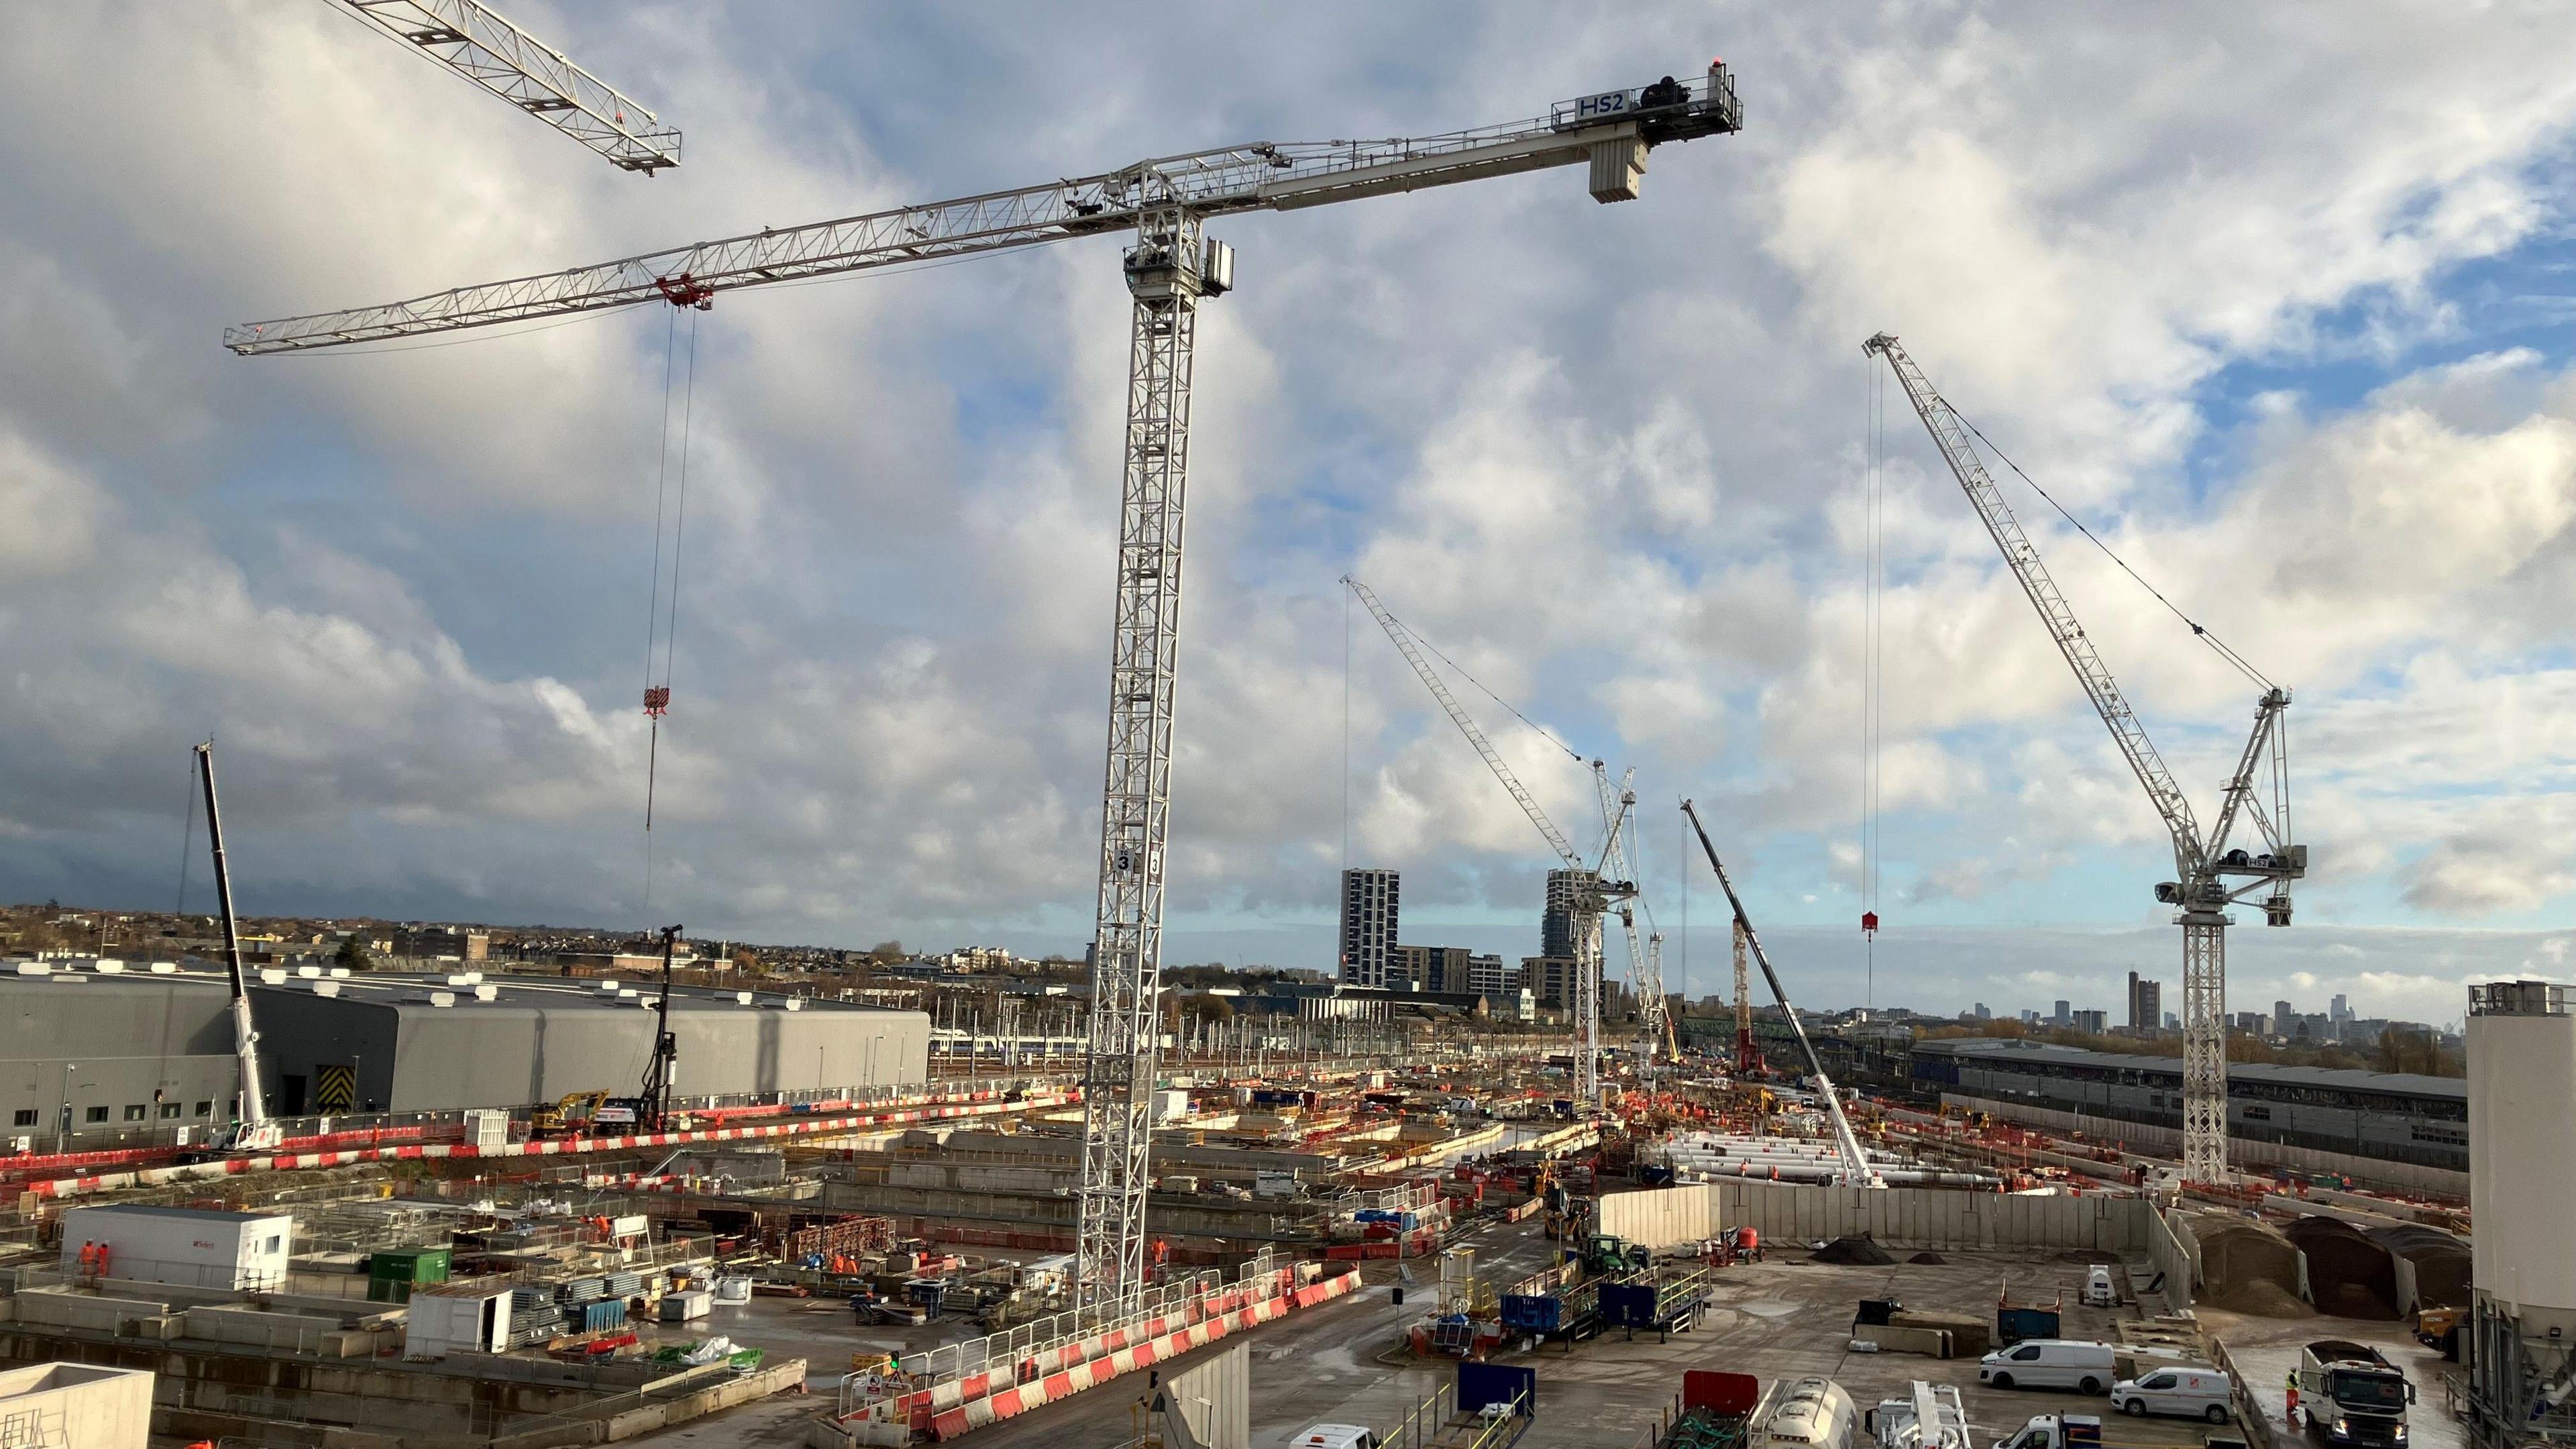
(1804,1413)
(2049,1363)
(2188,1390)
(1335,1436)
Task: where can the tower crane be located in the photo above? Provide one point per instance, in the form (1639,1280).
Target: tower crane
(478,43)
(1598,886)
(1645,967)
(2213,874)
(1171,266)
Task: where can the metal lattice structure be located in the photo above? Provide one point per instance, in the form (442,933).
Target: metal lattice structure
(485,48)
(1169,270)
(2203,863)
(1163,204)
(1645,958)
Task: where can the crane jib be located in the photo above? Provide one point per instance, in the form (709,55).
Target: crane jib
(1611,130)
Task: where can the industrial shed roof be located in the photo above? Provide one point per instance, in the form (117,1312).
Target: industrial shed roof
(2341,1079)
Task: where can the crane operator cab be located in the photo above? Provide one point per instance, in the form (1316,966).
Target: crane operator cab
(1669,109)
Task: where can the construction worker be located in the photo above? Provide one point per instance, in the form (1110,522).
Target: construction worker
(2293,1395)
(88,1258)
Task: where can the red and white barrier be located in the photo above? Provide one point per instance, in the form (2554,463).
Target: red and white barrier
(975,1400)
(858,1121)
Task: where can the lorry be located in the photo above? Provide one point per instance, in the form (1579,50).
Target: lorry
(1932,1417)
(2351,1396)
(1812,1412)
(2057,1431)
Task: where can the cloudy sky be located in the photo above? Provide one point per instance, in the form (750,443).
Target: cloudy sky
(2281,299)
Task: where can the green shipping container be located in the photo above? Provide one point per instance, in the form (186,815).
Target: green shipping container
(394,1272)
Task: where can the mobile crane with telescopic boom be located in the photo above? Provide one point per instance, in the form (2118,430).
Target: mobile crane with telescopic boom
(251,1130)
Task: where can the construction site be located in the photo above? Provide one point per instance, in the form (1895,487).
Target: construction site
(1427,1200)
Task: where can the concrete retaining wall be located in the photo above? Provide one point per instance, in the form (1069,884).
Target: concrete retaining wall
(1921,1217)
(2175,1251)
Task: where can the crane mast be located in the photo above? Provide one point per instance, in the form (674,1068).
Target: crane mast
(2204,864)
(1748,1060)
(1163,205)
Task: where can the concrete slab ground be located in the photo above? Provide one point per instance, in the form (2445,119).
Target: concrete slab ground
(1343,1361)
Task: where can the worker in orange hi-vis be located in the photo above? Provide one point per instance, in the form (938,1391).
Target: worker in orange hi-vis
(2293,1395)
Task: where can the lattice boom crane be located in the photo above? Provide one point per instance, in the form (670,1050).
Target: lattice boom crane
(478,43)
(2204,862)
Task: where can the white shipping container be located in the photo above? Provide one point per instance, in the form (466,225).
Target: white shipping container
(445,1318)
(682,1307)
(192,1247)
(487,1128)
(1171,1106)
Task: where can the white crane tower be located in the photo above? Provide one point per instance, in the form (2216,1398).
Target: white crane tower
(1170,266)
(2206,863)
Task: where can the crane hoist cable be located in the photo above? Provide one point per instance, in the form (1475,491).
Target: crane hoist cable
(2199,631)
(1873,709)
(661,630)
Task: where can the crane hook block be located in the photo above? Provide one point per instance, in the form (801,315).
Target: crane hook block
(1869,922)
(657,700)
(685,291)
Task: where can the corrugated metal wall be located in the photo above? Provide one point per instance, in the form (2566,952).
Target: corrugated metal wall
(1213,1401)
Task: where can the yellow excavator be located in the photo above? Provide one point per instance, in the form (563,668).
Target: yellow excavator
(570,1114)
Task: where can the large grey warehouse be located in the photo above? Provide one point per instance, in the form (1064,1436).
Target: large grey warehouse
(114,1051)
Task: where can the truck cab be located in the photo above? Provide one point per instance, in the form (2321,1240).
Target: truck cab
(2057,1431)
(2352,1397)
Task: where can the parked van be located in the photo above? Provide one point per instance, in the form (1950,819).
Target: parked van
(2187,1390)
(2049,1363)
(1335,1436)
(1804,1413)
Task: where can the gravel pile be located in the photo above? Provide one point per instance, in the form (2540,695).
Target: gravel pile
(2349,1275)
(1861,1249)
(2246,1267)
(2440,1260)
